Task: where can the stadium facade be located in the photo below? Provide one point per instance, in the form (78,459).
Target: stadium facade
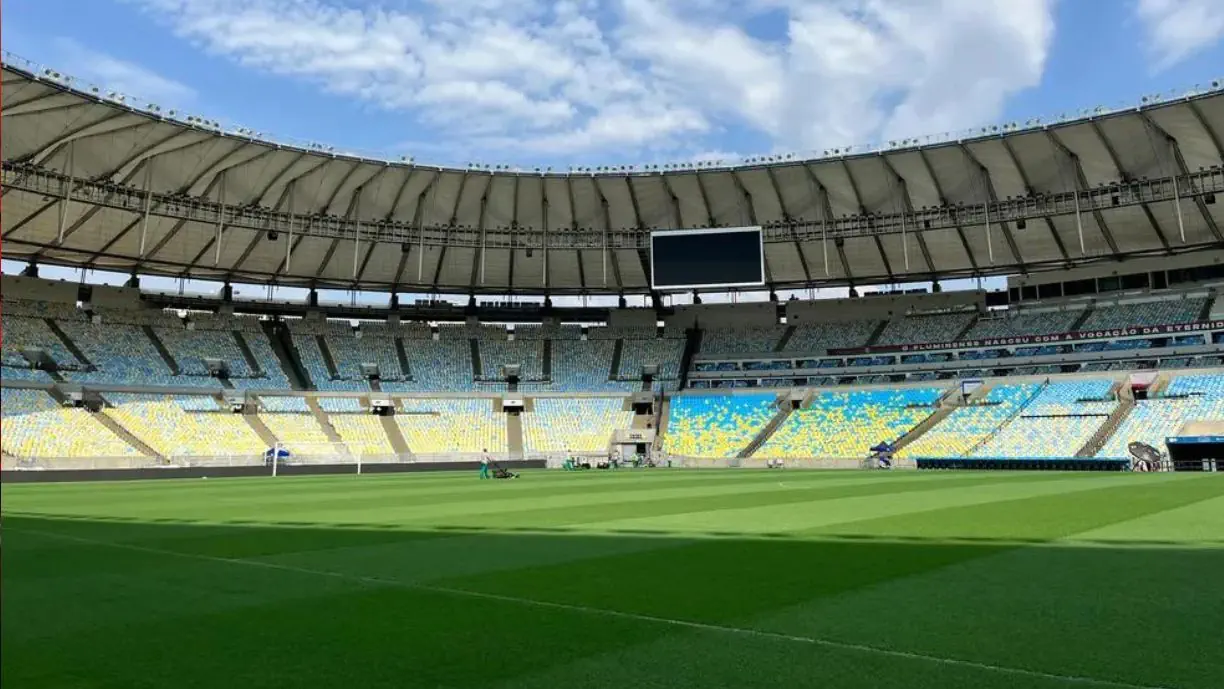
(1111,329)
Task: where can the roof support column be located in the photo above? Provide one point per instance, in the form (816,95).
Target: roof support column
(544,281)
(292,221)
(148,208)
(67,199)
(220,219)
(356,227)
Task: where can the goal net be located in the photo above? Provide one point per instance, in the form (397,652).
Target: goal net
(315,454)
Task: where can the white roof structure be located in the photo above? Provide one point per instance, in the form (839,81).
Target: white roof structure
(89,181)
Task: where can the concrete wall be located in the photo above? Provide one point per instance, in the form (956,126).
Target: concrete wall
(18,287)
(882,307)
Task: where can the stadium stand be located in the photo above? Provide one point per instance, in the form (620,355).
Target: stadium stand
(528,354)
(22,331)
(925,329)
(848,424)
(437,366)
(166,426)
(297,430)
(1024,323)
(437,426)
(583,366)
(363,432)
(1055,424)
(121,353)
(723,341)
(966,427)
(578,424)
(665,352)
(716,426)
(1190,397)
(1146,313)
(36,427)
(817,339)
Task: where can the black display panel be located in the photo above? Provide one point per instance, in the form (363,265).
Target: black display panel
(691,259)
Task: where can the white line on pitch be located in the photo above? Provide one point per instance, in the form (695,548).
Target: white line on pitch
(687,624)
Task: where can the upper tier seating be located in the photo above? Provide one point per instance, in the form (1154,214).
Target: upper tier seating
(1022,324)
(36,427)
(191,347)
(666,353)
(169,429)
(1163,312)
(437,366)
(528,354)
(122,354)
(552,331)
(848,424)
(349,352)
(579,366)
(716,426)
(925,329)
(624,333)
(21,332)
(434,426)
(580,424)
(741,340)
(967,426)
(814,339)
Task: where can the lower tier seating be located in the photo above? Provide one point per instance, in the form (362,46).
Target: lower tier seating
(171,431)
(363,433)
(578,424)
(434,426)
(848,424)
(716,426)
(966,427)
(37,427)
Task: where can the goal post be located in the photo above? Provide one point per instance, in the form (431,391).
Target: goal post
(316,454)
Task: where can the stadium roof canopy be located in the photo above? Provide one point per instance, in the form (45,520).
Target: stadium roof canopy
(91,181)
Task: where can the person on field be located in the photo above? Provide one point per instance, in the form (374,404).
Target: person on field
(484,464)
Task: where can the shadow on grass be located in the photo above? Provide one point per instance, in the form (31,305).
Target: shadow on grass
(153,603)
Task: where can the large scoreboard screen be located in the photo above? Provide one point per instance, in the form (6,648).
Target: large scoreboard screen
(693,259)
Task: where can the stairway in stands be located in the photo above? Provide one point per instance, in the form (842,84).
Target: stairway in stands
(69,344)
(784,411)
(247,354)
(282,345)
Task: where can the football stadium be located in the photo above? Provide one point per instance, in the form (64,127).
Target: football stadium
(604,426)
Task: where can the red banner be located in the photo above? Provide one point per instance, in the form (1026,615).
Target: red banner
(1177,329)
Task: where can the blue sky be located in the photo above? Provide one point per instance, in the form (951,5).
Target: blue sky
(584,82)
(623,81)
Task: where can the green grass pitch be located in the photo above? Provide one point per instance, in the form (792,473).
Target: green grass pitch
(669,579)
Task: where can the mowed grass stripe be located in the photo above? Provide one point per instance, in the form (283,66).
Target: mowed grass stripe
(651,504)
(1044,517)
(146,498)
(798,517)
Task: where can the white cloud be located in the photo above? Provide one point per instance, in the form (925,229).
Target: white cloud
(645,76)
(1176,29)
(131,79)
